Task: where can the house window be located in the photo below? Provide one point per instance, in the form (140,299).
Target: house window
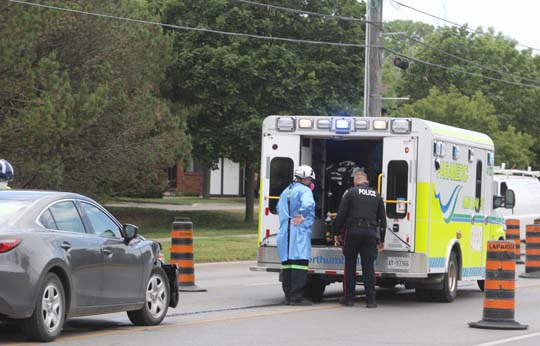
(189,166)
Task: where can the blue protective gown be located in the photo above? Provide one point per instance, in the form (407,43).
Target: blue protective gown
(302,202)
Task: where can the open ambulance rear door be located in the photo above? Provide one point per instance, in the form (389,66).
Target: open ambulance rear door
(398,190)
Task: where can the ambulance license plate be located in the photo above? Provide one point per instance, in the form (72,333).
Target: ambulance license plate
(400,263)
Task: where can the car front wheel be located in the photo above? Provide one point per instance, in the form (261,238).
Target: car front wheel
(156,302)
(48,318)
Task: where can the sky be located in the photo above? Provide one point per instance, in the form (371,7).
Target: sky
(517,19)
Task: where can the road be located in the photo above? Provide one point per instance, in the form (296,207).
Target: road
(244,308)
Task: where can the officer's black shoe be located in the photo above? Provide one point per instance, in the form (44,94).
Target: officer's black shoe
(371,305)
(345,302)
(300,303)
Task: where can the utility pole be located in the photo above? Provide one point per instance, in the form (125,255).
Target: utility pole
(373,59)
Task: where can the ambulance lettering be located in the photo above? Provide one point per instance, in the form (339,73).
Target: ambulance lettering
(453,171)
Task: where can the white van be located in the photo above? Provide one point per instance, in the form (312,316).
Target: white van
(526,186)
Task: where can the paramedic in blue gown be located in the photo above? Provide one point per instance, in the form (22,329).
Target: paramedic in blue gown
(296,209)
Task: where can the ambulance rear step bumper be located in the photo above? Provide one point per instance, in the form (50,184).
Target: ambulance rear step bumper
(330,261)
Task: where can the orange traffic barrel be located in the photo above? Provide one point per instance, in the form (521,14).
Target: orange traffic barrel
(512,233)
(182,254)
(500,284)
(532,251)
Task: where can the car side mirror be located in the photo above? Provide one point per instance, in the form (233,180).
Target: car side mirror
(130,231)
(509,199)
(498,201)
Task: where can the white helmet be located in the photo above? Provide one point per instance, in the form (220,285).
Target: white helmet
(304,171)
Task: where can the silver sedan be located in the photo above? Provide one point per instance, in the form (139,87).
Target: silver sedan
(63,255)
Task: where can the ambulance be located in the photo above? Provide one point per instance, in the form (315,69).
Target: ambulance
(436,182)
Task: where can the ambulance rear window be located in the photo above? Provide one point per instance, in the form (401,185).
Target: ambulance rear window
(281,173)
(396,189)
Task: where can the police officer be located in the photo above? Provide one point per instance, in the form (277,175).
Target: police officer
(296,209)
(6,174)
(360,225)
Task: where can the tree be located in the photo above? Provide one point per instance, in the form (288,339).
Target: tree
(405,35)
(474,113)
(80,105)
(401,36)
(236,81)
(513,147)
(489,54)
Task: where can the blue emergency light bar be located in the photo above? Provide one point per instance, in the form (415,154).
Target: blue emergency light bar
(342,125)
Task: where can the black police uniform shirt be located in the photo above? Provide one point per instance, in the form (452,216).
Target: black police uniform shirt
(361,205)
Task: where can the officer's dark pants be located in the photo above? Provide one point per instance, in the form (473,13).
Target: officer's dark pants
(294,276)
(361,240)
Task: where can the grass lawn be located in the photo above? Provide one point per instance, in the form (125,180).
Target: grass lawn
(182,200)
(220,249)
(218,235)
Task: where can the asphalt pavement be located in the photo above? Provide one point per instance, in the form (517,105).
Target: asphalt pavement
(241,307)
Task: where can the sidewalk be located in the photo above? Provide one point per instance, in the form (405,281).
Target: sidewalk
(180,207)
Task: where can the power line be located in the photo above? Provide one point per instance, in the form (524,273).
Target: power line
(423,62)
(324,15)
(353,19)
(471,62)
(454,23)
(181,27)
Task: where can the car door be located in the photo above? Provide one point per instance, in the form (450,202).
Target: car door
(81,251)
(123,264)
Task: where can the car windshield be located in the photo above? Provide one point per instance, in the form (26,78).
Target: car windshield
(10,210)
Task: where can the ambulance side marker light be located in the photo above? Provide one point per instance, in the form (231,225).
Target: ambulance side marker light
(267,233)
